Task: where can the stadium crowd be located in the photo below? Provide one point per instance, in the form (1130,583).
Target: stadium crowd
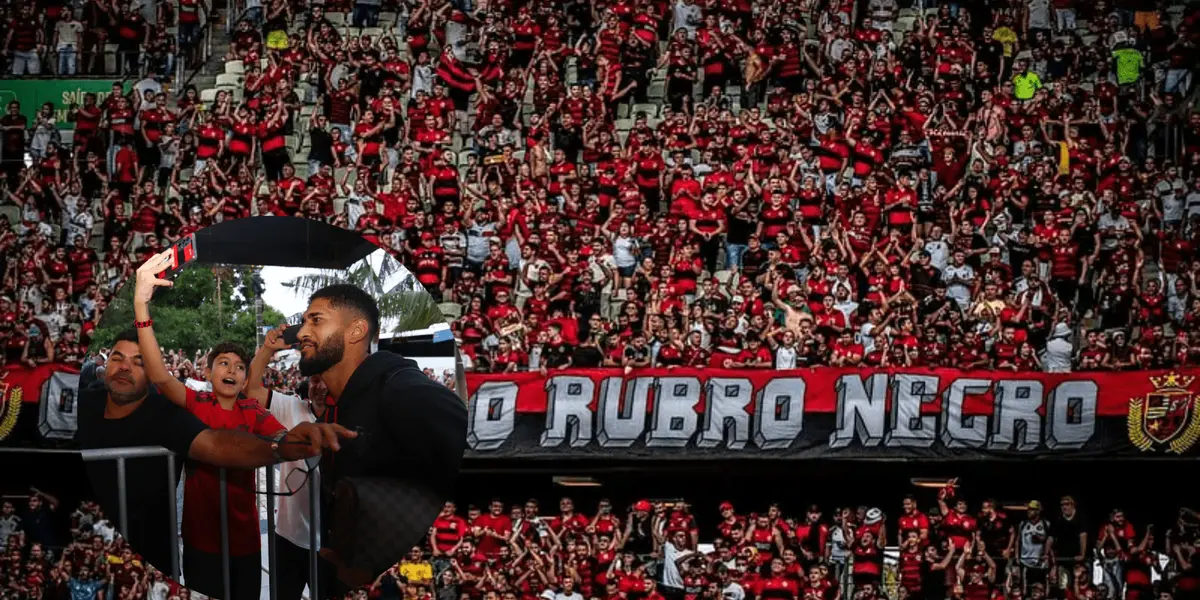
(40,559)
(955,549)
(1004,185)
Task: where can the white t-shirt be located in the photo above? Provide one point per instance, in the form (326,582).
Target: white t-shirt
(959,291)
(68,33)
(623,252)
(105,530)
(160,590)
(671,555)
(688,16)
(733,591)
(1057,357)
(785,358)
(1039,14)
(939,253)
(294,510)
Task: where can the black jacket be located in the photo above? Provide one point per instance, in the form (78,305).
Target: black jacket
(402,467)
(409,426)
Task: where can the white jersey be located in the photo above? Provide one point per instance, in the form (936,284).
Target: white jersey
(1032,543)
(294,510)
(785,358)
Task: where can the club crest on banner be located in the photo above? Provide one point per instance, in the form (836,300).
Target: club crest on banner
(1165,418)
(10,406)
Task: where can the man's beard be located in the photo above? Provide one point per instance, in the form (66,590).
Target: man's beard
(325,356)
(125,398)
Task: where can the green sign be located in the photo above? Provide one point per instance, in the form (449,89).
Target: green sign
(62,93)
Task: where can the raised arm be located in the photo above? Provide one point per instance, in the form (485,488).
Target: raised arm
(156,368)
(258,366)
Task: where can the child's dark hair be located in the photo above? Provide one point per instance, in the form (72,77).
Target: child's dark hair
(228,348)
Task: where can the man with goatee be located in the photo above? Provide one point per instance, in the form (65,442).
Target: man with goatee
(411,433)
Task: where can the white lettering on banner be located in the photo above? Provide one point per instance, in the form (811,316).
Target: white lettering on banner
(859,412)
(674,415)
(567,412)
(1017,424)
(1072,411)
(492,413)
(773,418)
(622,416)
(727,418)
(910,429)
(959,430)
(779,413)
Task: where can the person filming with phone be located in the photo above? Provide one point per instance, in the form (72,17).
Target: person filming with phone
(412,435)
(223,406)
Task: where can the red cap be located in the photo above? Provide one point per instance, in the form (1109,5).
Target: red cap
(425,235)
(726,506)
(642,505)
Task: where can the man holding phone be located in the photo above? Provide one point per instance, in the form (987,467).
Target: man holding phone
(412,431)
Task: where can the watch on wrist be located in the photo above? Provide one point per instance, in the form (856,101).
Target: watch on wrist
(275,443)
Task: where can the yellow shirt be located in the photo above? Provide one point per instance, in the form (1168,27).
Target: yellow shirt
(417,572)
(1025,85)
(1005,36)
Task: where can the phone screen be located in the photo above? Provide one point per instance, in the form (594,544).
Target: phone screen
(182,253)
(291,335)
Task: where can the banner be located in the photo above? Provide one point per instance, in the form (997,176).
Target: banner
(21,385)
(831,413)
(59,417)
(62,93)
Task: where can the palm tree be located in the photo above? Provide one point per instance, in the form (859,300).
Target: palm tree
(407,302)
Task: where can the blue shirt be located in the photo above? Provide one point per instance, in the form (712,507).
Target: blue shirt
(84,590)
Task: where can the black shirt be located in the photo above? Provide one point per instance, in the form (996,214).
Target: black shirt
(412,430)
(1066,537)
(156,422)
(740,228)
(586,357)
(320,147)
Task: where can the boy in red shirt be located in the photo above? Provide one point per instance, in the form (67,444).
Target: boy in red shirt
(225,407)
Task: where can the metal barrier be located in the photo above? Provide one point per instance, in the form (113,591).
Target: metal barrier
(121,455)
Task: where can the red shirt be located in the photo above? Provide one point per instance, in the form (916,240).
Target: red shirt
(202,487)
(447,531)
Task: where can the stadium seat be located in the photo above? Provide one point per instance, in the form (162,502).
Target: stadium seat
(450,310)
(230,79)
(650,110)
(235,67)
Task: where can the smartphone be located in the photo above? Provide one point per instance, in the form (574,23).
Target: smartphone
(291,335)
(183,252)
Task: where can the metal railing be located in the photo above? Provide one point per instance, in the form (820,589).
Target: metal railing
(120,455)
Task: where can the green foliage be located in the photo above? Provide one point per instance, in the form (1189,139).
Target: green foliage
(408,302)
(191,315)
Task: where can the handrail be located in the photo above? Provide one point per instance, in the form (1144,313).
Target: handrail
(207,30)
(127,452)
(130,452)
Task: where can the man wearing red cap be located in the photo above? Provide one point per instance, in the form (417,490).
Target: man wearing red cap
(639,534)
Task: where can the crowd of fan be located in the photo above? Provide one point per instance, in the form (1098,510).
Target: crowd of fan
(283,378)
(656,550)
(42,560)
(71,38)
(1004,185)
